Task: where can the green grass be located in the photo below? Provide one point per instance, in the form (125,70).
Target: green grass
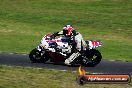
(24,22)
(20,77)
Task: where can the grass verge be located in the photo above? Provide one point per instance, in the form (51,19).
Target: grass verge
(21,77)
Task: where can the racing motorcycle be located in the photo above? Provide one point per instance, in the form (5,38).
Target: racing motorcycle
(57,50)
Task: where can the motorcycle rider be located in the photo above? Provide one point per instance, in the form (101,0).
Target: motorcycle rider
(76,40)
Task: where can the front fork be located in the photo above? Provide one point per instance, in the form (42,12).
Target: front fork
(41,50)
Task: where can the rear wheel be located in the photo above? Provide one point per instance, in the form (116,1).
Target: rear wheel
(36,57)
(91,58)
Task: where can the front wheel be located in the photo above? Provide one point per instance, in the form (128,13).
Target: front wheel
(36,57)
(91,58)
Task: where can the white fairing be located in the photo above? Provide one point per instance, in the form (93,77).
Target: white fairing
(64,46)
(60,45)
(44,44)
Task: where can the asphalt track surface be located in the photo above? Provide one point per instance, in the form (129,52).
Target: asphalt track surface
(115,67)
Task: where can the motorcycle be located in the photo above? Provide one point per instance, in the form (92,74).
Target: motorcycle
(57,50)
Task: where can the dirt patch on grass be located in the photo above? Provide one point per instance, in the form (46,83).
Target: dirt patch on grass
(6,31)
